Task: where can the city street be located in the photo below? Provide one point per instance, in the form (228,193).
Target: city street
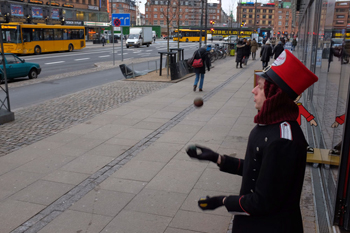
(57,63)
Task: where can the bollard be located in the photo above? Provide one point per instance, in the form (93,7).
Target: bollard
(133,72)
(156,66)
(126,72)
(148,65)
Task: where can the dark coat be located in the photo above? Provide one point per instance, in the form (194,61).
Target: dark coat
(206,61)
(246,50)
(266,53)
(278,50)
(272,180)
(240,52)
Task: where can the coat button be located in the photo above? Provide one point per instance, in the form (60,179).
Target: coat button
(253,179)
(252,191)
(254,170)
(266,139)
(257,149)
(254,159)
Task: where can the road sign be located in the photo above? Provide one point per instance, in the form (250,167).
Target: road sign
(120,20)
(258,30)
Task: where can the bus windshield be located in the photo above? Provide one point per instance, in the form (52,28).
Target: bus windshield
(11,35)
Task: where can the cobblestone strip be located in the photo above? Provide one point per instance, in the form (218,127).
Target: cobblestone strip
(64,202)
(40,121)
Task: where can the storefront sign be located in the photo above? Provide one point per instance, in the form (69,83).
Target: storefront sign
(37,12)
(19,0)
(8,27)
(17,10)
(53,3)
(68,5)
(93,8)
(98,24)
(36,1)
(55,14)
(76,23)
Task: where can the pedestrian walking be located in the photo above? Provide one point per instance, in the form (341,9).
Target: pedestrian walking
(201,54)
(275,160)
(239,53)
(154,39)
(254,48)
(278,49)
(294,44)
(265,54)
(246,52)
(103,40)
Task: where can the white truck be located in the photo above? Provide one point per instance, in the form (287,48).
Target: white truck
(139,36)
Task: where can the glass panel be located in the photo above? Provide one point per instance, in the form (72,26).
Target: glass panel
(37,34)
(27,34)
(48,34)
(93,17)
(11,35)
(69,15)
(80,15)
(58,34)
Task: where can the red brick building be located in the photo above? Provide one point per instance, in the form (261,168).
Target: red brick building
(125,6)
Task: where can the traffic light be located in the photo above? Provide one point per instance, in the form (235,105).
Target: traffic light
(212,22)
(242,24)
(212,29)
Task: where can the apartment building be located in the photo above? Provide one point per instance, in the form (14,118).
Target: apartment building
(283,25)
(186,12)
(90,13)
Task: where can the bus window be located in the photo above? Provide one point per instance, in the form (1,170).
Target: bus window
(11,35)
(48,34)
(27,34)
(81,34)
(37,34)
(58,34)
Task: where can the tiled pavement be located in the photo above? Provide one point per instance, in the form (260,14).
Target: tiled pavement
(126,170)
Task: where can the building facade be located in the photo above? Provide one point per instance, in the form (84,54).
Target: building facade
(324,47)
(184,12)
(125,6)
(90,13)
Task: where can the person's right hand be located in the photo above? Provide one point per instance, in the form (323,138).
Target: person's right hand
(206,153)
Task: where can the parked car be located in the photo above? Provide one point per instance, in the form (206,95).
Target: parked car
(231,38)
(17,67)
(166,37)
(217,37)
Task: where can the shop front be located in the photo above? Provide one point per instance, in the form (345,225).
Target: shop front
(324,47)
(94,30)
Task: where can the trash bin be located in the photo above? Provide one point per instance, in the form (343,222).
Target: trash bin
(232,52)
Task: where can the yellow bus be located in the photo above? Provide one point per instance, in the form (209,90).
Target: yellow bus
(186,35)
(22,38)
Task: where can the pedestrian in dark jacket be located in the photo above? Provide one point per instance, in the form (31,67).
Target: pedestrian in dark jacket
(265,54)
(278,49)
(275,160)
(201,53)
(103,40)
(246,52)
(240,48)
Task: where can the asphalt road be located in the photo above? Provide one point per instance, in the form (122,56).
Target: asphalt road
(57,63)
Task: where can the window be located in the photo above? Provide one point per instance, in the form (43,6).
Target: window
(250,16)
(340,16)
(161,10)
(155,9)
(186,10)
(250,10)
(270,16)
(279,12)
(186,3)
(155,22)
(264,16)
(257,22)
(146,16)
(186,16)
(161,22)
(48,34)
(244,16)
(11,59)
(161,2)
(258,11)
(279,22)
(280,17)
(186,23)
(250,22)
(114,6)
(286,24)
(155,16)
(217,17)
(174,10)
(264,11)
(270,22)
(258,16)
(244,10)
(161,16)
(58,34)
(27,34)
(263,22)
(180,10)
(270,11)
(156,2)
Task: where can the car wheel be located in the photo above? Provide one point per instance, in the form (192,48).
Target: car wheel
(70,48)
(37,50)
(147,45)
(33,73)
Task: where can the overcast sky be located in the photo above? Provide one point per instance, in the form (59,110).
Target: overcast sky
(227,5)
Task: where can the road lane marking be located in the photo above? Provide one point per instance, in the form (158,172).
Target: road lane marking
(149,50)
(54,62)
(80,59)
(105,56)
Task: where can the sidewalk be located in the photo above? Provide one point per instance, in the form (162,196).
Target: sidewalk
(126,170)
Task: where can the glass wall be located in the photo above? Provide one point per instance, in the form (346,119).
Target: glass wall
(324,47)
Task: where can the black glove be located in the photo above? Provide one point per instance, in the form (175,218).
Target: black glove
(206,154)
(208,69)
(210,203)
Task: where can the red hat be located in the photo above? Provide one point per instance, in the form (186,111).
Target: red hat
(289,74)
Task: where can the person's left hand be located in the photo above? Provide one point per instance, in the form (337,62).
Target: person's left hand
(211,203)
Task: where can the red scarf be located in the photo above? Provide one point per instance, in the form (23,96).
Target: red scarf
(277,107)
